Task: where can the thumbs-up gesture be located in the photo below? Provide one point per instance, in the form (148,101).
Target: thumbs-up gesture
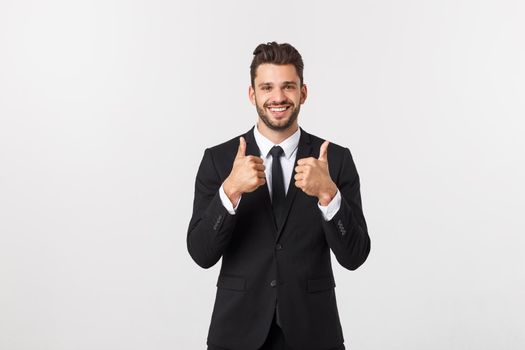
(313,178)
(246,176)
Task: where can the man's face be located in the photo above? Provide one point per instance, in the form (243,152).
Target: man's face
(277,95)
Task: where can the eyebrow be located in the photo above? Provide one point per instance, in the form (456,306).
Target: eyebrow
(290,82)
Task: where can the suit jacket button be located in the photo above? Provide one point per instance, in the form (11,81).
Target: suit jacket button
(273,283)
(279,246)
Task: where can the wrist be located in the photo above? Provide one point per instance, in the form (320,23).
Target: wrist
(326,196)
(231,192)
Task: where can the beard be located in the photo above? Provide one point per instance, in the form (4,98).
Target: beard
(273,126)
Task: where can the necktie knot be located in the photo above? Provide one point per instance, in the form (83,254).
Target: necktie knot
(276,151)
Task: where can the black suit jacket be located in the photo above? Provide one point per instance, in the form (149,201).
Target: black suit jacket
(264,262)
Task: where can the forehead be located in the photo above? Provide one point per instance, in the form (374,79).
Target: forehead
(276,73)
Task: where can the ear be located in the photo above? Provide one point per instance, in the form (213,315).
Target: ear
(304,93)
(251,94)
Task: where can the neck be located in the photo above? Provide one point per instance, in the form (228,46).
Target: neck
(276,136)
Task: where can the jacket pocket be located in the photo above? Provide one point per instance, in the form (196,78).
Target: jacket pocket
(232,283)
(321,284)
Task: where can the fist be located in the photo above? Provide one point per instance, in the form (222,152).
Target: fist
(246,176)
(313,178)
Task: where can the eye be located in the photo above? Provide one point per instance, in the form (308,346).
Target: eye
(289,87)
(266,88)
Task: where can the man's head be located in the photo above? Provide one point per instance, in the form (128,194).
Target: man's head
(279,54)
(277,89)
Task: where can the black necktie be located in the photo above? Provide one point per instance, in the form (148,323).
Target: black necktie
(277,182)
(277,197)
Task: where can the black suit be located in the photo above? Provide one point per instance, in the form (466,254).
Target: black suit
(264,261)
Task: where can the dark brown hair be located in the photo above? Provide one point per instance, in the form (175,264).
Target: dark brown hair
(276,54)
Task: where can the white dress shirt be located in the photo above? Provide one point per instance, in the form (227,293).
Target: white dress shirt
(289,147)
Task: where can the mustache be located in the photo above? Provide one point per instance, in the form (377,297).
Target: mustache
(280,103)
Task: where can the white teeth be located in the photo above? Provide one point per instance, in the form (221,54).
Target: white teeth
(277,109)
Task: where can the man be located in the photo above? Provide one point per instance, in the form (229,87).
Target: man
(272,203)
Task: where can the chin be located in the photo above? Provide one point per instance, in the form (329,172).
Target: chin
(281,125)
(280,122)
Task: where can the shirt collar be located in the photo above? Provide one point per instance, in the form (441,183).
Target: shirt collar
(289,145)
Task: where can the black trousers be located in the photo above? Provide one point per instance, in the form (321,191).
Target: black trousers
(274,340)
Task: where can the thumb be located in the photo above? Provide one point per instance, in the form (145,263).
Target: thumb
(241,151)
(323,152)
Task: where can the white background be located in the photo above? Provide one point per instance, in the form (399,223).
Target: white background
(106,108)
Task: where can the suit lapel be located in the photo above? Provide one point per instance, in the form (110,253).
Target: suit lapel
(304,150)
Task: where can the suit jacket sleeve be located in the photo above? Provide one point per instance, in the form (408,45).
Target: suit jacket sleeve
(346,233)
(211,225)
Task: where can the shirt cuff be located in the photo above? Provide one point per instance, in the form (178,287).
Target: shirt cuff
(226,201)
(332,208)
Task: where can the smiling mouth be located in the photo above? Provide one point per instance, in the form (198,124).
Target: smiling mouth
(278,109)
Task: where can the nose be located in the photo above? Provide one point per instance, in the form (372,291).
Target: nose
(278,97)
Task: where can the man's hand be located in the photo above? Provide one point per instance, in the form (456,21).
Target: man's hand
(246,176)
(313,178)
